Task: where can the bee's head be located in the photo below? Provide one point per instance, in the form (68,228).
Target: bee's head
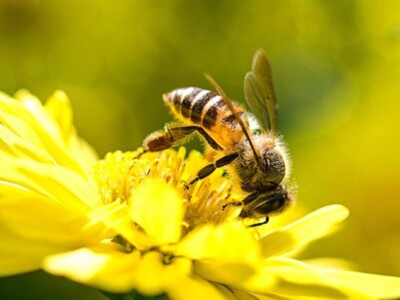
(258,204)
(267,170)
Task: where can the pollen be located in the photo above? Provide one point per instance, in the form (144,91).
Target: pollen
(120,173)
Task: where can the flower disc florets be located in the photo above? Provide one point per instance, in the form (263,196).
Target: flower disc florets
(120,174)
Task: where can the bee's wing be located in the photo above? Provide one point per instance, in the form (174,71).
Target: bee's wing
(259,92)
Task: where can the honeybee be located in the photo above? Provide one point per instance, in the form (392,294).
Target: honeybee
(249,141)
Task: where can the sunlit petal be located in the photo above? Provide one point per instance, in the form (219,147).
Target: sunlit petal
(224,272)
(197,288)
(167,273)
(59,108)
(158,209)
(52,181)
(379,286)
(226,242)
(295,236)
(116,217)
(346,282)
(103,266)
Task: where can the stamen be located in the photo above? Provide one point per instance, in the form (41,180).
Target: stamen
(119,174)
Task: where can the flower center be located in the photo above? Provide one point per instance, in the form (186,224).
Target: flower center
(119,174)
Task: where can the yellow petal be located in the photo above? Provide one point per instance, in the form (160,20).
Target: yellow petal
(158,209)
(296,279)
(259,281)
(115,216)
(12,265)
(33,226)
(40,117)
(16,147)
(28,120)
(377,286)
(56,183)
(331,262)
(227,273)
(15,118)
(243,295)
(228,242)
(297,235)
(156,275)
(105,267)
(59,108)
(353,284)
(225,253)
(33,216)
(287,290)
(81,265)
(108,268)
(196,288)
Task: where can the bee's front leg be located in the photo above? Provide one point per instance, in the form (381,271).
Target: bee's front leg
(245,213)
(260,223)
(207,170)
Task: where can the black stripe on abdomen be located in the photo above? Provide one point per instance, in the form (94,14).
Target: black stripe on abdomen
(199,105)
(186,100)
(210,118)
(176,99)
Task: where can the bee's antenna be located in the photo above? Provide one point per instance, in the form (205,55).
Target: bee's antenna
(228,102)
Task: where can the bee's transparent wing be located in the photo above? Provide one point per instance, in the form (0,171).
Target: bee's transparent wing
(230,106)
(259,92)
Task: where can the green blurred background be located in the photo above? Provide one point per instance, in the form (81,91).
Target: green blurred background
(336,69)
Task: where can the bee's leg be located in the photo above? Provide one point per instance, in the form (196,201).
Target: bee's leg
(207,170)
(261,223)
(163,139)
(264,204)
(247,200)
(232,204)
(171,136)
(245,213)
(180,133)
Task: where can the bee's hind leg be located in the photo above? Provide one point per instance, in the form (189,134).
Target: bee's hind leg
(161,139)
(173,135)
(207,170)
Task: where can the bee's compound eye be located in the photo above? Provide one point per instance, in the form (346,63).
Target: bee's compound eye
(270,203)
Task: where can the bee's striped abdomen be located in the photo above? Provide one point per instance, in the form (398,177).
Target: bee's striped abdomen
(196,105)
(199,105)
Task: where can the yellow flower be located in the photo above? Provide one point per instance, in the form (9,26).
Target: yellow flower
(127,225)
